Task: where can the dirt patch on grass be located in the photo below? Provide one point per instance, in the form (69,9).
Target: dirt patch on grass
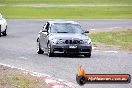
(14,78)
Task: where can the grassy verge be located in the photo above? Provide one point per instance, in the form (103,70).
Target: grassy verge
(66,12)
(121,39)
(67,1)
(13,78)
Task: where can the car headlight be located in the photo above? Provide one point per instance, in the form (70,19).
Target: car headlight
(86,41)
(89,41)
(54,41)
(60,41)
(57,41)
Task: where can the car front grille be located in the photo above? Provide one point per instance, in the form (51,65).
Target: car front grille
(72,42)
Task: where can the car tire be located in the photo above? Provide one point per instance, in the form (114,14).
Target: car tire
(0,30)
(87,55)
(4,33)
(39,50)
(50,54)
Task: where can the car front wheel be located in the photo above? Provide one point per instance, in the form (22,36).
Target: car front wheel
(50,54)
(39,50)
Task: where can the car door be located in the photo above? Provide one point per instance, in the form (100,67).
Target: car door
(44,36)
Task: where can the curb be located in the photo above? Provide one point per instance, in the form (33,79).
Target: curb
(51,81)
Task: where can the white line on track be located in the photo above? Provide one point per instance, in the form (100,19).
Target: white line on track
(92,29)
(24,58)
(111,51)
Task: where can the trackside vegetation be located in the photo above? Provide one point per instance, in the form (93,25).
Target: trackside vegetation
(122,39)
(66,1)
(103,12)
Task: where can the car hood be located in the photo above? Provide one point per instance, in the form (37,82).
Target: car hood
(68,36)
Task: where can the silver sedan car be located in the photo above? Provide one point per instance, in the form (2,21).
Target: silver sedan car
(66,37)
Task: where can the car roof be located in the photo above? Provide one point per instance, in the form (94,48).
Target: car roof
(62,21)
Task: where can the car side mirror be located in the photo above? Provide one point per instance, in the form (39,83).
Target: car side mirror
(44,30)
(45,33)
(86,32)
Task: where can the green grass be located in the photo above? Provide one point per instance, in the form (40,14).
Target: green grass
(66,1)
(21,81)
(119,38)
(66,12)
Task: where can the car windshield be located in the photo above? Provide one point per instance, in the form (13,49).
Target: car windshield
(66,28)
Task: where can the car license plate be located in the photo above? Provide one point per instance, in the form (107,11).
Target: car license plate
(72,47)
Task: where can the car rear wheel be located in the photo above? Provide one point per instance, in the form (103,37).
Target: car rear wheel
(87,55)
(50,54)
(0,32)
(4,33)
(39,50)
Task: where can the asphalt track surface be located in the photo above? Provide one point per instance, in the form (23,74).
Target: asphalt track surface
(19,49)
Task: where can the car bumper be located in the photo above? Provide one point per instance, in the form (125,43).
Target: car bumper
(72,49)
